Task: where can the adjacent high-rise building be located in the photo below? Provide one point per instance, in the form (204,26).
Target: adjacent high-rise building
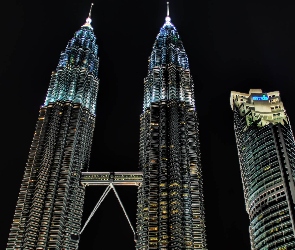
(266,150)
(170,211)
(50,202)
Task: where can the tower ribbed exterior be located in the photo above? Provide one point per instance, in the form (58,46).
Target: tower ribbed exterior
(170,211)
(50,202)
(266,149)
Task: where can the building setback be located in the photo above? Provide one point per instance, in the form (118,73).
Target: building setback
(170,211)
(266,150)
(49,207)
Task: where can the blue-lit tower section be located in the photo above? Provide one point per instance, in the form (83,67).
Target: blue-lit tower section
(170,211)
(266,150)
(49,207)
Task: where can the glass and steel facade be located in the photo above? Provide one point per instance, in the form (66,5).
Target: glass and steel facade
(170,212)
(50,202)
(266,150)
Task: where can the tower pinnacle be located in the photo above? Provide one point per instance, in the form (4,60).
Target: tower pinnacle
(88,20)
(89,15)
(167,19)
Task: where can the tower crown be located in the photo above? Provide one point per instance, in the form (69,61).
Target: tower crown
(76,76)
(168,47)
(168,71)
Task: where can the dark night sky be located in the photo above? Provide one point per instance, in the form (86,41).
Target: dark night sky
(231,45)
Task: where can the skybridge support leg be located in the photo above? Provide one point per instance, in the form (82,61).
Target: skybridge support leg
(105,193)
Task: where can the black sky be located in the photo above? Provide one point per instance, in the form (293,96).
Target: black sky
(231,45)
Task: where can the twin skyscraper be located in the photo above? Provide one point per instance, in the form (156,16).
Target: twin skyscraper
(170,210)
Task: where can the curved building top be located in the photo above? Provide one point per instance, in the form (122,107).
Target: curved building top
(261,108)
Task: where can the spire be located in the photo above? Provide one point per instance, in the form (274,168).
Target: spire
(167,19)
(89,15)
(88,20)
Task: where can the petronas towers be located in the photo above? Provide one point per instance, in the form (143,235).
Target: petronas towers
(170,212)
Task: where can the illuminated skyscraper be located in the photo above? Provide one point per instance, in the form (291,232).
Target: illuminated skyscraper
(50,202)
(266,149)
(170,211)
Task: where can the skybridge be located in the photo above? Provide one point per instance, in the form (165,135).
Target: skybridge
(116,178)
